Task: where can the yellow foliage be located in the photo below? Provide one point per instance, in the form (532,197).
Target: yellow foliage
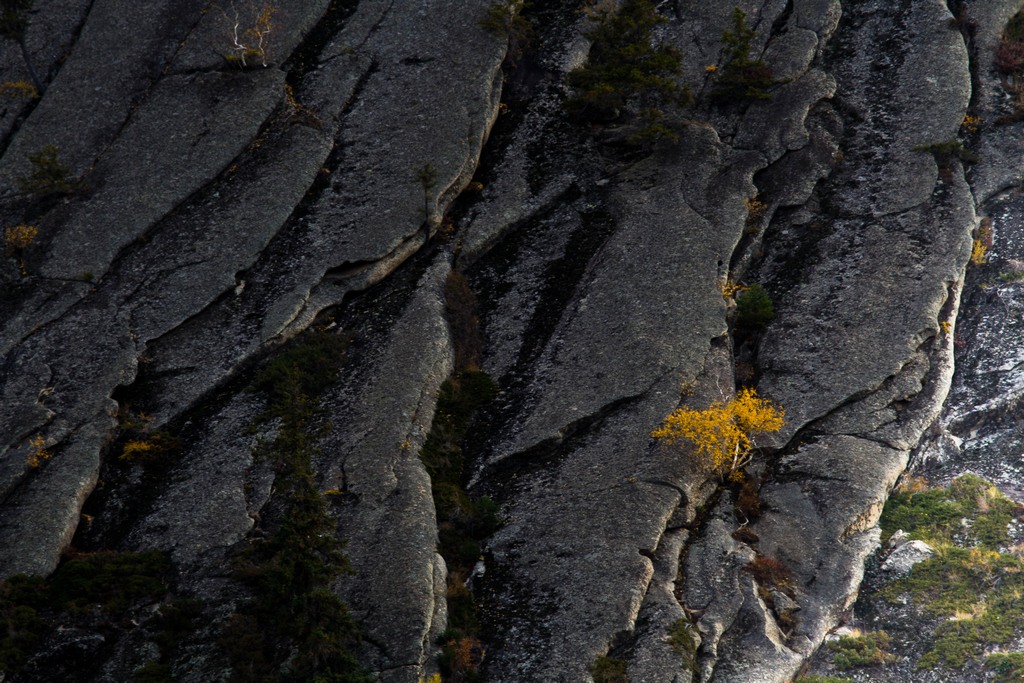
(723,433)
(152,449)
(755,209)
(946,326)
(17,240)
(979,253)
(37,452)
(730,288)
(971,123)
(135,448)
(982,241)
(434,678)
(20,237)
(18,90)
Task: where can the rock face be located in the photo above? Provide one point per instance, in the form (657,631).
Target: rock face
(368,154)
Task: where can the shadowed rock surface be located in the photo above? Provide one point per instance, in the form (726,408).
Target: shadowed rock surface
(217,216)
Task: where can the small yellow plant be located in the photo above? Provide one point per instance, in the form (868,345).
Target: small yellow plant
(982,241)
(730,288)
(152,449)
(18,90)
(723,433)
(979,253)
(37,453)
(711,68)
(434,678)
(137,449)
(17,240)
(755,209)
(971,124)
(19,237)
(946,326)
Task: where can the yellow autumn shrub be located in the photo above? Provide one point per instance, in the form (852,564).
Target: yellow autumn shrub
(723,433)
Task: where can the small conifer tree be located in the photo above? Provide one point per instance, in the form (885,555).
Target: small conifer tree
(627,70)
(741,77)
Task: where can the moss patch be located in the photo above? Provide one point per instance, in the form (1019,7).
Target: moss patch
(971,512)
(680,637)
(1007,667)
(868,649)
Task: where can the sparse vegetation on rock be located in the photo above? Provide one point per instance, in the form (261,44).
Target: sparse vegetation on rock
(609,670)
(973,585)
(16,240)
(504,18)
(463,522)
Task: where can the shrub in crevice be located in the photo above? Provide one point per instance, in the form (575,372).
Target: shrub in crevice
(463,522)
(504,18)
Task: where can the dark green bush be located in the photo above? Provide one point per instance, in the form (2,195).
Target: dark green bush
(609,670)
(112,582)
(754,308)
(154,672)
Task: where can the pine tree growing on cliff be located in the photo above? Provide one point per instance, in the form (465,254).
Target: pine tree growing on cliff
(741,77)
(626,71)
